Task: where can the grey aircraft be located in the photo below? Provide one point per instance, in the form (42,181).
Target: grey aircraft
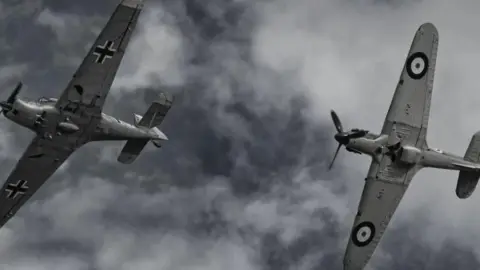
(63,125)
(401,150)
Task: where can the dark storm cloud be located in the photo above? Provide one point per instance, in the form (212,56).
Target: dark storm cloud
(241,184)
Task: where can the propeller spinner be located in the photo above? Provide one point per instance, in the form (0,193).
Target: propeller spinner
(343,137)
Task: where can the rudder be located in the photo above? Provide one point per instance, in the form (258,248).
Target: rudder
(467,180)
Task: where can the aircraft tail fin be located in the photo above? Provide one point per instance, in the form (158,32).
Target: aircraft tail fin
(156,112)
(152,118)
(467,180)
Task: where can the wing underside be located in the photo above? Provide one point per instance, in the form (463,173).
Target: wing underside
(379,201)
(39,161)
(91,82)
(410,107)
(406,120)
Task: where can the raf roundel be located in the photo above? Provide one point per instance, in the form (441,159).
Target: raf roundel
(417,65)
(363,234)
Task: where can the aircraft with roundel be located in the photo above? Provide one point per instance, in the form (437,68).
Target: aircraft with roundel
(401,150)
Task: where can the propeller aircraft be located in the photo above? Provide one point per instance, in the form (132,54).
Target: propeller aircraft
(401,150)
(63,125)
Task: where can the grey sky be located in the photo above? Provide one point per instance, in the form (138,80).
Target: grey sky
(242,182)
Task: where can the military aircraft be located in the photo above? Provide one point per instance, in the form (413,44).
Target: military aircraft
(401,150)
(63,125)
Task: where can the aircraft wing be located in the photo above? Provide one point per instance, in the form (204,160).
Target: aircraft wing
(91,82)
(407,119)
(380,199)
(410,106)
(39,161)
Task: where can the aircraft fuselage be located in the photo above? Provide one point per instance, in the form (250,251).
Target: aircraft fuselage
(375,146)
(33,115)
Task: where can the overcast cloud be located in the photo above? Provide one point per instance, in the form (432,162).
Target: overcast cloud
(242,183)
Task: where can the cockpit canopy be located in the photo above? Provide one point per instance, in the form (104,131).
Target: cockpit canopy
(47,100)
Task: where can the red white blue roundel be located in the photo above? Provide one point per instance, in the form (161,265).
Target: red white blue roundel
(363,234)
(417,65)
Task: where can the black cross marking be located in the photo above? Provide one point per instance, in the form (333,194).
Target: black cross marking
(19,188)
(103,52)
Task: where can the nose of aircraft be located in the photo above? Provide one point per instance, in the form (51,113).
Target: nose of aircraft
(341,138)
(5,106)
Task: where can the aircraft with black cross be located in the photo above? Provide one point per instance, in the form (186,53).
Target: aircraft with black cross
(401,150)
(64,124)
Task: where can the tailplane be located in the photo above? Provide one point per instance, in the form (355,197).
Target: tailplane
(467,180)
(131,150)
(150,120)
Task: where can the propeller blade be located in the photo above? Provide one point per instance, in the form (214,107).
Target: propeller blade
(13,95)
(334,157)
(336,121)
(5,106)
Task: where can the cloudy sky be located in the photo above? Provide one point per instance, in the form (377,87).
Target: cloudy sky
(242,183)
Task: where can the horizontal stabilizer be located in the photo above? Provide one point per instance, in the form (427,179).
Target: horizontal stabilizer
(156,112)
(467,180)
(131,150)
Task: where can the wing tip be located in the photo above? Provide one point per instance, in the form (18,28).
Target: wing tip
(461,194)
(428,27)
(126,158)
